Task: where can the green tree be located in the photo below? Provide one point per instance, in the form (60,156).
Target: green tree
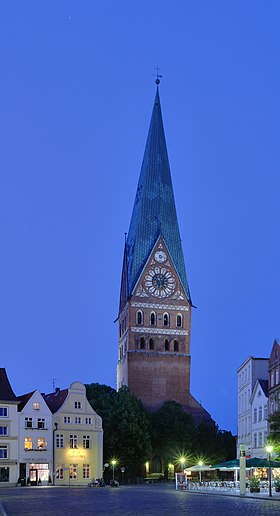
(274,437)
(125,425)
(172,432)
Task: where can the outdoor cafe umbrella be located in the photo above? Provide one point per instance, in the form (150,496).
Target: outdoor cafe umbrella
(255,462)
(229,464)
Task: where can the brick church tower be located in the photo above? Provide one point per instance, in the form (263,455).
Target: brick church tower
(155,303)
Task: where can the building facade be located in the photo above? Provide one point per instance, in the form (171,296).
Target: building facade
(274,381)
(8,432)
(35,439)
(78,436)
(252,369)
(259,418)
(155,302)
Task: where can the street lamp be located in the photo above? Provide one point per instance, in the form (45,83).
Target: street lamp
(269,449)
(200,463)
(113,462)
(182,462)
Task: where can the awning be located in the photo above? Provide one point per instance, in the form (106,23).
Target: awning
(255,462)
(197,467)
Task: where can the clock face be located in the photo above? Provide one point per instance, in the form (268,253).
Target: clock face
(160,282)
(160,256)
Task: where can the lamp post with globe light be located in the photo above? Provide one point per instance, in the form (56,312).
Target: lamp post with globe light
(182,462)
(113,463)
(200,463)
(269,449)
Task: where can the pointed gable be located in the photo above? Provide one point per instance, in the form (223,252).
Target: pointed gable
(6,391)
(154,211)
(275,353)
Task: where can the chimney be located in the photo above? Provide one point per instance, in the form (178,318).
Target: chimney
(57,389)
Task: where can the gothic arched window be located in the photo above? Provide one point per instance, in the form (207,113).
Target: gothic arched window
(142,343)
(166,345)
(176,345)
(151,344)
(166,319)
(179,321)
(139,317)
(153,318)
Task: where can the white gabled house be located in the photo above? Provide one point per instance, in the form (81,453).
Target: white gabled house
(35,439)
(259,415)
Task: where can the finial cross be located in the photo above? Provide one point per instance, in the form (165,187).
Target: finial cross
(158,76)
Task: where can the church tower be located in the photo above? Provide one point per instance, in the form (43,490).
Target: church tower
(155,302)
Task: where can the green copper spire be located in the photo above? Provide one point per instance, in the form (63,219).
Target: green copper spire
(154,212)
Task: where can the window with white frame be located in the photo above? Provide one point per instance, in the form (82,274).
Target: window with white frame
(265,411)
(73,471)
(260,413)
(67,419)
(3,430)
(28,445)
(255,415)
(88,420)
(86,470)
(152,319)
(255,440)
(41,443)
(73,441)
(272,379)
(3,411)
(59,472)
(36,405)
(86,441)
(276,376)
(28,422)
(3,451)
(41,423)
(260,439)
(78,420)
(59,440)
(78,405)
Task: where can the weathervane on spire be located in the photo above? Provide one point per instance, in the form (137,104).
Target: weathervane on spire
(158,76)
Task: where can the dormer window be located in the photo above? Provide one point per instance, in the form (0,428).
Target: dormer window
(139,317)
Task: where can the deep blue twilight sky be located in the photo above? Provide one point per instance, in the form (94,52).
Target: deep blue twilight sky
(76,94)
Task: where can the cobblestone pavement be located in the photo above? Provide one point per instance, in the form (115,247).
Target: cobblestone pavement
(127,501)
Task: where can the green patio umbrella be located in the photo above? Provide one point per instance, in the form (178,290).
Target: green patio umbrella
(229,464)
(255,462)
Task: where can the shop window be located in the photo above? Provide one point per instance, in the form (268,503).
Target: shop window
(59,475)
(4,475)
(86,471)
(73,471)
